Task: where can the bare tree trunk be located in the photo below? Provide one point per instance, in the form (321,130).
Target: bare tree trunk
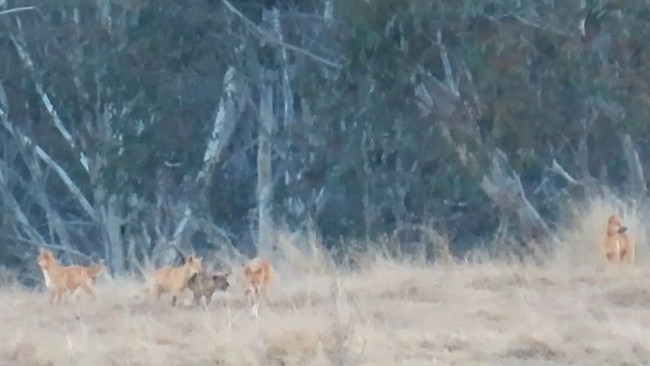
(499,181)
(264,170)
(328,12)
(635,179)
(223,127)
(112,220)
(368,212)
(287,93)
(289,172)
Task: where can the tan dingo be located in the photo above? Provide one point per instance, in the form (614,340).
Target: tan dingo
(619,247)
(59,279)
(258,275)
(174,279)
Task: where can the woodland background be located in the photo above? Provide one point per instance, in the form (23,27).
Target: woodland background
(128,127)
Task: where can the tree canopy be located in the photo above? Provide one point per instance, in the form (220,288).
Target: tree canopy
(126,124)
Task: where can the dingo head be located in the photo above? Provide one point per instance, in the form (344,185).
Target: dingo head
(194,265)
(614,225)
(45,258)
(221,280)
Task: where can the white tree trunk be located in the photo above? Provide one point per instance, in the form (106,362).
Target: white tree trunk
(635,179)
(264,172)
(112,219)
(328,12)
(287,93)
(223,127)
(368,216)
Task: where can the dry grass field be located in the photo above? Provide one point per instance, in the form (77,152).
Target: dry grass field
(571,310)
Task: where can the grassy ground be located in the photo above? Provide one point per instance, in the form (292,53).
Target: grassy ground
(389,314)
(572,310)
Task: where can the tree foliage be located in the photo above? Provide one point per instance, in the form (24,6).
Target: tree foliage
(124,97)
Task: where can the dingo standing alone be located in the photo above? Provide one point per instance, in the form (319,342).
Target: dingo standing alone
(60,279)
(619,246)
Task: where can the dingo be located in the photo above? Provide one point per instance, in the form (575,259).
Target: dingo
(174,279)
(258,275)
(59,279)
(619,247)
(203,284)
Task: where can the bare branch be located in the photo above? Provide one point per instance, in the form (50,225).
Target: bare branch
(53,247)
(434,96)
(74,189)
(19,44)
(504,187)
(10,200)
(54,221)
(266,36)
(187,214)
(559,170)
(16,10)
(611,108)
(451,83)
(66,179)
(541,26)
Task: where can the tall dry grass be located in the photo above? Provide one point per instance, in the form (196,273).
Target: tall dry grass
(572,310)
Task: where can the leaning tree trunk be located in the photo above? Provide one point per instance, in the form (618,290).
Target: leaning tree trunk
(222,128)
(498,181)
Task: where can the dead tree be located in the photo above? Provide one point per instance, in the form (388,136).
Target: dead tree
(488,164)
